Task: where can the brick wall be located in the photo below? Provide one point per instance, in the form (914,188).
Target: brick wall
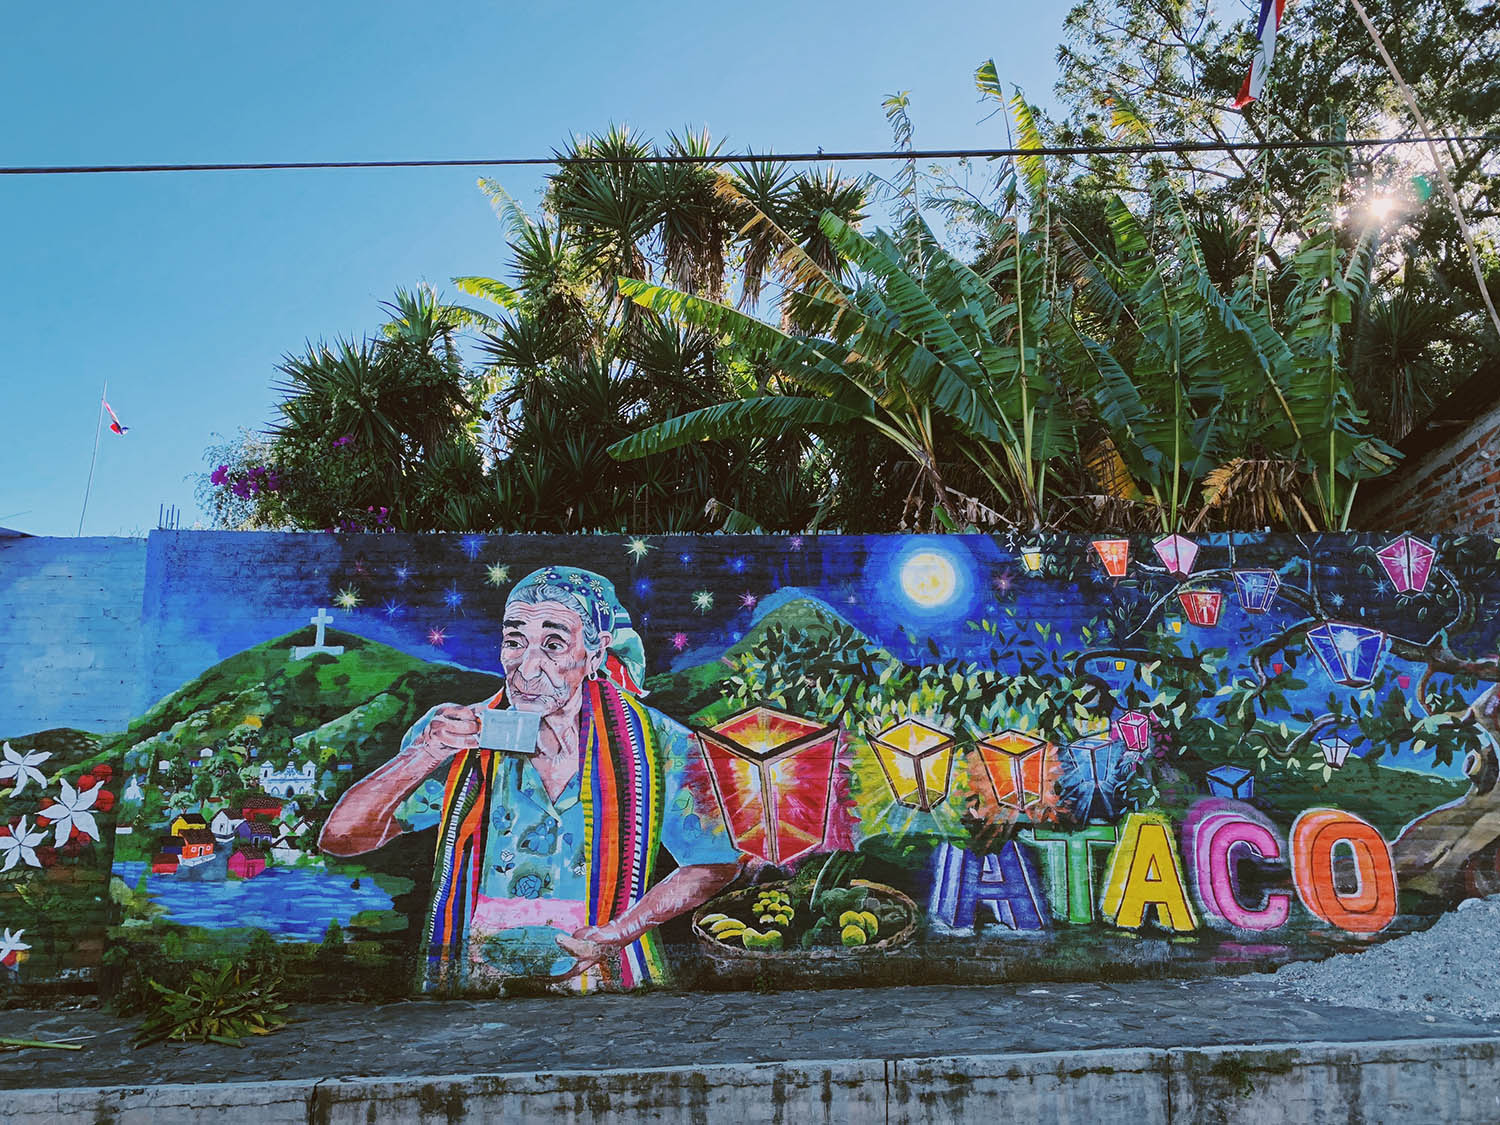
(70,632)
(1450,481)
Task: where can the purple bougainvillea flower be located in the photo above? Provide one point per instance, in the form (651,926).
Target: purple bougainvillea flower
(241,488)
(347,439)
(220,475)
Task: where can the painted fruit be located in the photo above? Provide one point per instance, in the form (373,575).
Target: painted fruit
(853,935)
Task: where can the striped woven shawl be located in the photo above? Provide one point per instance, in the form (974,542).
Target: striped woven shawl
(621,793)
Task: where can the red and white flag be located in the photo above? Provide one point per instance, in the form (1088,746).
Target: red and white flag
(1260,66)
(114,421)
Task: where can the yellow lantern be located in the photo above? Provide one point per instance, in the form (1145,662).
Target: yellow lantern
(917,760)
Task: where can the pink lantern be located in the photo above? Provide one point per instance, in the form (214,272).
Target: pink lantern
(1134,730)
(773,776)
(1114,554)
(1201,606)
(1177,554)
(1408,561)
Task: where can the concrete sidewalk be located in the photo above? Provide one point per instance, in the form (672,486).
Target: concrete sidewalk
(1140,1052)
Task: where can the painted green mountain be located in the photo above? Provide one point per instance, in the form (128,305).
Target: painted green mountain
(354,706)
(813,626)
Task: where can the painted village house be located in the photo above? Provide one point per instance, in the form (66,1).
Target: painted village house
(247,862)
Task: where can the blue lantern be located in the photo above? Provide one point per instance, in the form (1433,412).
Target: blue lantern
(1231,781)
(1350,654)
(1257,589)
(1095,770)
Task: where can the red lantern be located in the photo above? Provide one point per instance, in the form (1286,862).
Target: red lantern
(1201,606)
(1018,769)
(773,776)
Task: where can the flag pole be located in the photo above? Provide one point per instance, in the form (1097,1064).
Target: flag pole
(1442,171)
(98,429)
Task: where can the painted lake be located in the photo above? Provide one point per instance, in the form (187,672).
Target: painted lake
(289,902)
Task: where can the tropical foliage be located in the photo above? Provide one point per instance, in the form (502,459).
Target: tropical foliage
(1136,375)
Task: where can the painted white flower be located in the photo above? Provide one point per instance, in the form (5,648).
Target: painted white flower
(72,811)
(20,766)
(20,845)
(11,943)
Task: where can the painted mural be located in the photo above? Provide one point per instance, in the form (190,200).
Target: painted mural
(472,764)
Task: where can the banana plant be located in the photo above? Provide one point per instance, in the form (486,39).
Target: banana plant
(918,347)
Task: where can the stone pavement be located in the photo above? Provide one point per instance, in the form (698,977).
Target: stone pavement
(628,1034)
(675,1029)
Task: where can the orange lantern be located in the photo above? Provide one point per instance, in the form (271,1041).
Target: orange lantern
(772,774)
(1114,554)
(1017,769)
(917,761)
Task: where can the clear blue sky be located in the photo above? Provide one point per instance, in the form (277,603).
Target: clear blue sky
(184,290)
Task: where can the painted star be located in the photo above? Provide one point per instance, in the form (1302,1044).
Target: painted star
(1003,582)
(679,641)
(643,587)
(748,600)
(497,574)
(795,543)
(437,637)
(453,597)
(685,559)
(348,598)
(703,601)
(738,564)
(637,547)
(472,545)
(392,608)
(403,572)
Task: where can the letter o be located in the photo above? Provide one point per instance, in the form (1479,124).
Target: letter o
(1371,906)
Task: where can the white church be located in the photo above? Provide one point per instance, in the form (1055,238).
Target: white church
(294,781)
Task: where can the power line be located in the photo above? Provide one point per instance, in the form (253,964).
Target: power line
(1178,147)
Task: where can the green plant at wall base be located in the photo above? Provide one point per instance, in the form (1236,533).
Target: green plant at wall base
(222,1006)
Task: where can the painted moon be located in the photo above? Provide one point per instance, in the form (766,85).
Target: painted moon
(928,578)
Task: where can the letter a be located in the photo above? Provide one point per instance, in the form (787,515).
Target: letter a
(1144,871)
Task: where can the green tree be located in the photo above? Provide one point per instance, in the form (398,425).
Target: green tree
(1168,69)
(375,433)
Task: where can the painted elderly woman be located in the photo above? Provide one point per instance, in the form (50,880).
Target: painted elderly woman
(546,850)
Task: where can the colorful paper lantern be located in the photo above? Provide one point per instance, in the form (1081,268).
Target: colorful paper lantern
(1201,606)
(1134,730)
(1177,554)
(917,760)
(1257,589)
(1094,773)
(1231,781)
(772,774)
(1031,559)
(1017,769)
(1350,654)
(1408,561)
(1114,554)
(1335,751)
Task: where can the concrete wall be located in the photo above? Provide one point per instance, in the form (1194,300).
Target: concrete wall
(878,758)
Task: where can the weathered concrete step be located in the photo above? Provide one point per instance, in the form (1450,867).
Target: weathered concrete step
(1455,1081)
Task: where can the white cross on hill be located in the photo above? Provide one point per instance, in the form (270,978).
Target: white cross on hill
(322,619)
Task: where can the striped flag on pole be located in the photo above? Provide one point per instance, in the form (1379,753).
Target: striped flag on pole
(114,421)
(1260,66)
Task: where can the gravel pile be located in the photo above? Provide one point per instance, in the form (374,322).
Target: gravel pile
(1452,968)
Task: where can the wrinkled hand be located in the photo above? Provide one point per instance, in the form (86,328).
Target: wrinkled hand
(591,945)
(451,731)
